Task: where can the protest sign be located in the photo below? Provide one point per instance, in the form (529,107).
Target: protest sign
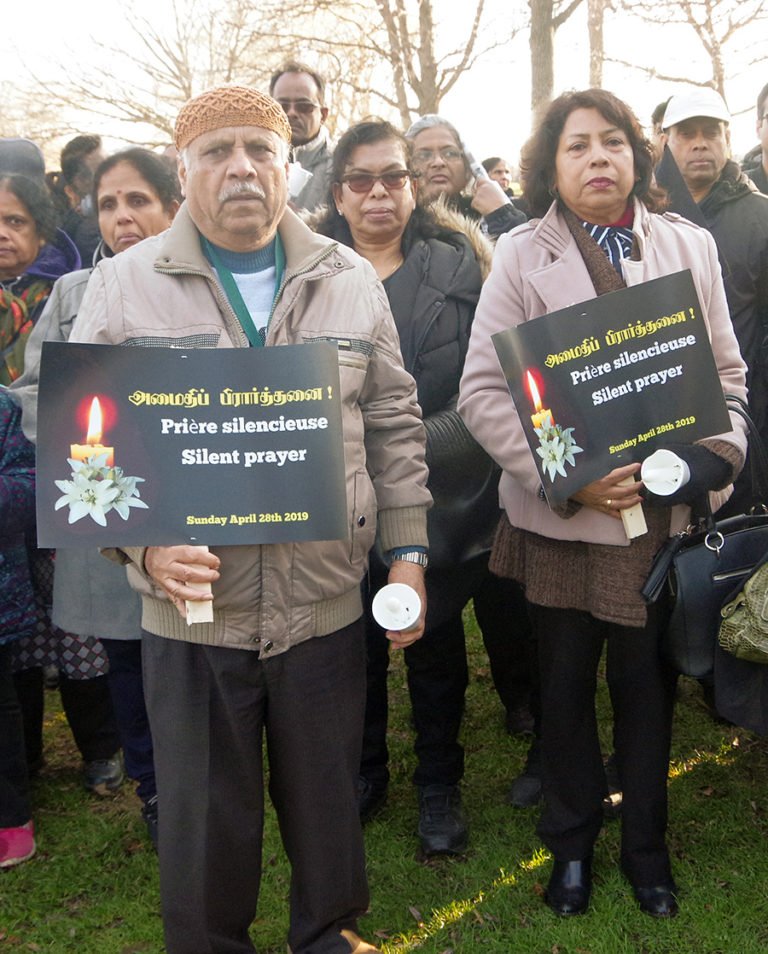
(161,446)
(606,382)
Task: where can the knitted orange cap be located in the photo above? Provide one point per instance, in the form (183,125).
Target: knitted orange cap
(229,106)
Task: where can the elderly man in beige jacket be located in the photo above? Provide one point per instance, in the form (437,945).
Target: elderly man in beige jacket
(284,654)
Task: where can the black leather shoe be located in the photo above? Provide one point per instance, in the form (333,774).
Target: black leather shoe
(659,901)
(525,790)
(442,825)
(370,798)
(150,816)
(519,720)
(570,886)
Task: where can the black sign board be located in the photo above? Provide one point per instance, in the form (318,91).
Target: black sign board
(605,382)
(160,446)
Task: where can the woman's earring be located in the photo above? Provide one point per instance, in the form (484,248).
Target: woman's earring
(340,213)
(553,191)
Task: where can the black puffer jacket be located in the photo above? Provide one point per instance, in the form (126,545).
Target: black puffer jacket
(433,296)
(752,166)
(737,216)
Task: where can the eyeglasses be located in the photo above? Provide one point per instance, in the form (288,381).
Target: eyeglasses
(363,181)
(447,154)
(300,105)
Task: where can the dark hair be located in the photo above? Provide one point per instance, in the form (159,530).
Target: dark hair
(80,147)
(73,161)
(294,66)
(73,168)
(492,162)
(152,168)
(539,153)
(658,114)
(365,133)
(761,97)
(34,196)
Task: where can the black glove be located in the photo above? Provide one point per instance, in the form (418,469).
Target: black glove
(708,472)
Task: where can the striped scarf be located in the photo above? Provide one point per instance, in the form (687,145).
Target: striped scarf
(614,240)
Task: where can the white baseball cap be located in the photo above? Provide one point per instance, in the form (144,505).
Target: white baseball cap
(702,101)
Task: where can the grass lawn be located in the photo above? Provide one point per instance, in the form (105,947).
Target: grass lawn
(93,888)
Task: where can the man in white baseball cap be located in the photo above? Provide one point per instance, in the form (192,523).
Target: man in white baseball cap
(695,130)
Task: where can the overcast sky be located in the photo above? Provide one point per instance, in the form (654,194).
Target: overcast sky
(490,105)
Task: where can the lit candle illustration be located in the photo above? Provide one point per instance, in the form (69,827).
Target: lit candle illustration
(93,446)
(542,417)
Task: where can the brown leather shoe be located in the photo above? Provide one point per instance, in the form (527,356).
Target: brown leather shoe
(357,945)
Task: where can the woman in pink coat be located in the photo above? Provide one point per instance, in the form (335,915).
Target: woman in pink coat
(597,228)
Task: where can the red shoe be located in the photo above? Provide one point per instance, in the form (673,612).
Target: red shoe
(16,845)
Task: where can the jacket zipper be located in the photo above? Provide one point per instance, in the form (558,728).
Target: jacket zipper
(224,301)
(302,271)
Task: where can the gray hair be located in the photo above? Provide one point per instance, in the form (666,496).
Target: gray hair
(429,121)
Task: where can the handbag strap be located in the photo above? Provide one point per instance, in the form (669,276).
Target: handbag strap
(758,454)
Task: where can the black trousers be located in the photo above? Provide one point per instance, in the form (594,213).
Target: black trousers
(641,687)
(88,708)
(14,785)
(209,708)
(437,669)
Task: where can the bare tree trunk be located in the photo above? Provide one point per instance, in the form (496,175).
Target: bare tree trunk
(595,17)
(546,17)
(541,44)
(393,18)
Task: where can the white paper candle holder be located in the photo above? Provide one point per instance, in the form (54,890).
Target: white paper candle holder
(396,607)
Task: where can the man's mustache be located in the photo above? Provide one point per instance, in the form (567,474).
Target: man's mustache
(241,188)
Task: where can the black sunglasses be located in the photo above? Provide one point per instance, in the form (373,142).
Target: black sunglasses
(300,105)
(363,181)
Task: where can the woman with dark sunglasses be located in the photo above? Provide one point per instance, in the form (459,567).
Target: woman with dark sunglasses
(431,261)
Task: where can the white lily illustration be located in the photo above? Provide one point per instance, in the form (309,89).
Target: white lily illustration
(557,448)
(96,488)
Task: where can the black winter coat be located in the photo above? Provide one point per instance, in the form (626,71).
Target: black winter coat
(737,216)
(752,166)
(433,296)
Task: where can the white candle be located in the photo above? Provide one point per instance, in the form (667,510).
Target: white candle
(93,446)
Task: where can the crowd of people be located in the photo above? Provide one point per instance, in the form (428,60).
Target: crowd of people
(400,249)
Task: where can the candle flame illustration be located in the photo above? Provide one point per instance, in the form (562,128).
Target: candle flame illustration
(95,423)
(534,391)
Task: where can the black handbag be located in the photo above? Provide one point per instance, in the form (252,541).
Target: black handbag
(702,566)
